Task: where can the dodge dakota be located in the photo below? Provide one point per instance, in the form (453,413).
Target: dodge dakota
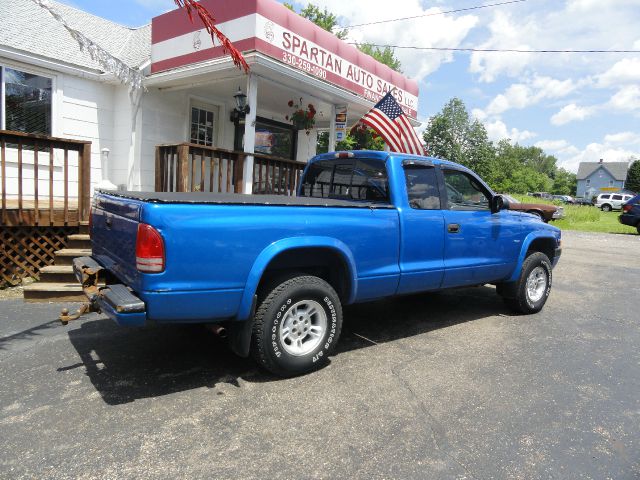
(273,272)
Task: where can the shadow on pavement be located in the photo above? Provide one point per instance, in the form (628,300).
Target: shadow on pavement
(125,364)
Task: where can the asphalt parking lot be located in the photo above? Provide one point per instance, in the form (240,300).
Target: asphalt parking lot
(437,386)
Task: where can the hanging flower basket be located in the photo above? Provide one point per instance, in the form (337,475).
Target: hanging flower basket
(302,118)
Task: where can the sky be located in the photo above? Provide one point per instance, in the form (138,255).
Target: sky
(575,106)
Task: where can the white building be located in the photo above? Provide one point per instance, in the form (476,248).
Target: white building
(49,85)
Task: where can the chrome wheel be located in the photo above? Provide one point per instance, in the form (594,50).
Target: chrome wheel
(537,284)
(303,327)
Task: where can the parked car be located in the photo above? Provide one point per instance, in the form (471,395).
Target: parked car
(563,199)
(631,213)
(612,201)
(543,211)
(584,201)
(273,272)
(546,195)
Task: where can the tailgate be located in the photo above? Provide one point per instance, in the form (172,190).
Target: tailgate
(113,235)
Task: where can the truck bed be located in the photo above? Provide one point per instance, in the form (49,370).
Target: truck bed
(243,199)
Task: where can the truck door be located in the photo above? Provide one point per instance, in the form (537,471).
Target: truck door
(422,248)
(479,246)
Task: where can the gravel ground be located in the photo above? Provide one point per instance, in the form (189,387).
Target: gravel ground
(438,386)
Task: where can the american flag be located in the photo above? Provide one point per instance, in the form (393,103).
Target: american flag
(390,122)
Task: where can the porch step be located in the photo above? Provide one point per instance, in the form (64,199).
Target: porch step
(66,255)
(79,240)
(58,292)
(57,274)
(84,228)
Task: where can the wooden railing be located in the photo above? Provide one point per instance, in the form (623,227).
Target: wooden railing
(274,175)
(40,176)
(188,167)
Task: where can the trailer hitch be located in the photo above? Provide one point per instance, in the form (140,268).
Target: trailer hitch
(66,317)
(87,271)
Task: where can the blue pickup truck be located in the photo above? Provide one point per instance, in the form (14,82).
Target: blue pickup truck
(273,272)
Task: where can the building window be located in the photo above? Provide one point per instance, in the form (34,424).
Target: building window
(588,182)
(272,138)
(26,101)
(202,121)
(611,183)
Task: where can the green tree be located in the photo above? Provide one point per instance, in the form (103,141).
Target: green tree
(385,55)
(323,18)
(564,182)
(633,177)
(329,22)
(453,134)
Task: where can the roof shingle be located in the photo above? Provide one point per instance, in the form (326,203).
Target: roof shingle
(617,169)
(30,28)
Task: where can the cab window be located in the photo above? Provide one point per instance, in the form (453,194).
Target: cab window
(465,192)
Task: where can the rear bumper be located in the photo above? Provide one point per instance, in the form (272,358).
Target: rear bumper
(631,220)
(116,301)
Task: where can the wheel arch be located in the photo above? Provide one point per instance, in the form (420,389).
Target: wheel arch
(535,242)
(325,257)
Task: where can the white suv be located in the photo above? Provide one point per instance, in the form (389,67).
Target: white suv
(612,201)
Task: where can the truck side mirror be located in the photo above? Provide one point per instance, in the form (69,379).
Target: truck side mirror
(498,202)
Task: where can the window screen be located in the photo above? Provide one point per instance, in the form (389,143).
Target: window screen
(422,187)
(27,102)
(358,179)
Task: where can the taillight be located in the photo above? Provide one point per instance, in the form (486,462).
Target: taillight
(627,208)
(149,250)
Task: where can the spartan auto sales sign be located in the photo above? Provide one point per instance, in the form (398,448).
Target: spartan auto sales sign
(296,51)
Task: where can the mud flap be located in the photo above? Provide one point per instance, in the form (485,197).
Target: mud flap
(240,333)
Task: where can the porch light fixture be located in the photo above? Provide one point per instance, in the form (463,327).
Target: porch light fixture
(241,109)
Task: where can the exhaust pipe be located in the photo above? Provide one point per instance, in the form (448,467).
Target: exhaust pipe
(218,330)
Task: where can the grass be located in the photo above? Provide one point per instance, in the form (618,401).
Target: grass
(584,218)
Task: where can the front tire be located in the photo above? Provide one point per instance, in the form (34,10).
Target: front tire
(606,207)
(297,326)
(529,293)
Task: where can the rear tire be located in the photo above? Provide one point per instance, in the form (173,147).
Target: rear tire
(529,293)
(297,326)
(606,207)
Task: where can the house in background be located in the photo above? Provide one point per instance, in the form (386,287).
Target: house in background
(598,177)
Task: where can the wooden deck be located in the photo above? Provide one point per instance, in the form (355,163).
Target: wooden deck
(26,213)
(34,202)
(45,186)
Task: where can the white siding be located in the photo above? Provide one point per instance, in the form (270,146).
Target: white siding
(82,110)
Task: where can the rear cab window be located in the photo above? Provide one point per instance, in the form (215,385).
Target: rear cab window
(357,179)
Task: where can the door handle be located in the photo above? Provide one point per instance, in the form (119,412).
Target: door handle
(453,228)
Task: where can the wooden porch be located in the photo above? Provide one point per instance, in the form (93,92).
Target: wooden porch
(52,178)
(45,199)
(188,167)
